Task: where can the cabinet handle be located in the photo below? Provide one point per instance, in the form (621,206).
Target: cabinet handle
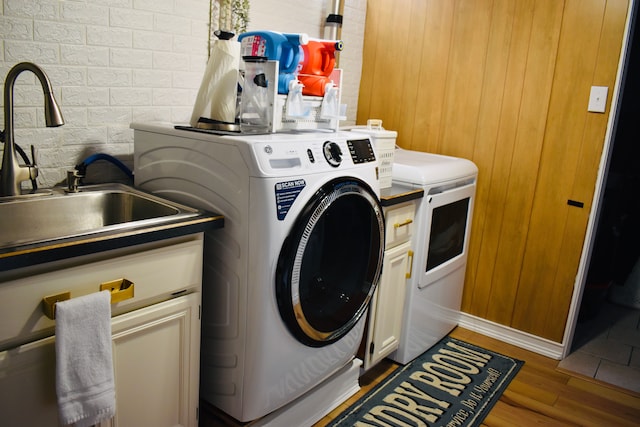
(410,273)
(49,303)
(120,289)
(403,224)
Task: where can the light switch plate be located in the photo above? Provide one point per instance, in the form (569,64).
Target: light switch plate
(598,99)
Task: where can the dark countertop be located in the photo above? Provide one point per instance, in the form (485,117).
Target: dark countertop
(26,255)
(397,194)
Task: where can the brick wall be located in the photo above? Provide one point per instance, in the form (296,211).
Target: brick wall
(112,62)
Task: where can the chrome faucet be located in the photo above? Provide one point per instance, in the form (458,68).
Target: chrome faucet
(12,174)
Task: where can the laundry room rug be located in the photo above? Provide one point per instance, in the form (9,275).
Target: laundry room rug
(452,384)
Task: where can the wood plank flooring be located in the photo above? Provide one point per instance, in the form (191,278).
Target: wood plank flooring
(539,395)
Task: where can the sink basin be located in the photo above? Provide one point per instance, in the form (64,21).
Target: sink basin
(95,209)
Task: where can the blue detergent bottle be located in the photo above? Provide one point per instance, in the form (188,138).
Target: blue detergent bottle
(275,46)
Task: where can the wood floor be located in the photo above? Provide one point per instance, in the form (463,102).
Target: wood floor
(539,395)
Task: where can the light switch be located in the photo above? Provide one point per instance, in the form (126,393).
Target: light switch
(598,99)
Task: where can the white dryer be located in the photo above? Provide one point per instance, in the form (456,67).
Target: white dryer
(440,242)
(289,277)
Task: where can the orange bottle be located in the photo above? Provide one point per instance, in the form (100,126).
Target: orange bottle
(318,61)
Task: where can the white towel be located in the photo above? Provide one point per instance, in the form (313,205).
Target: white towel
(84,363)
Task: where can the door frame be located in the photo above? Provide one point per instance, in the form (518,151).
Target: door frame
(601,180)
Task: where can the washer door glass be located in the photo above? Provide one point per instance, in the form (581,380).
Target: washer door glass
(330,263)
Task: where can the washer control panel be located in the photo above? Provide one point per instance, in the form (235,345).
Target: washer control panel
(313,154)
(332,153)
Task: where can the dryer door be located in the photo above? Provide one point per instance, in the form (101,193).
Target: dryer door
(330,263)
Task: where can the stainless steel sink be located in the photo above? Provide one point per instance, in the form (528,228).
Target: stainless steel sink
(94,209)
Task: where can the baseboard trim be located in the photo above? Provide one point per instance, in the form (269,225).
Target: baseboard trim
(512,336)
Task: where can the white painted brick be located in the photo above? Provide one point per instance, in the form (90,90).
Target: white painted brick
(112,3)
(130,58)
(123,150)
(194,9)
(170,61)
(50,177)
(108,77)
(129,96)
(190,45)
(173,97)
(24,117)
(40,9)
(74,117)
(152,114)
(27,95)
(16,51)
(57,32)
(65,76)
(84,55)
(152,40)
(187,80)
(40,137)
(181,114)
(161,6)
(171,24)
(200,30)
(152,78)
(108,36)
(84,135)
(301,17)
(128,18)
(198,63)
(108,115)
(84,96)
(61,156)
(16,28)
(84,13)
(52,156)
(119,134)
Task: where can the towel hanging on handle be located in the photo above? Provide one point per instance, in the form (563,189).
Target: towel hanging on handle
(84,363)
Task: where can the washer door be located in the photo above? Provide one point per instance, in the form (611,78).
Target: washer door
(330,263)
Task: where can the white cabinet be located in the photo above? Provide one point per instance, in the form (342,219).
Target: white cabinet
(386,310)
(156,336)
(155,361)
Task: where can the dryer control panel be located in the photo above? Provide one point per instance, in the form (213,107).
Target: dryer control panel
(361,150)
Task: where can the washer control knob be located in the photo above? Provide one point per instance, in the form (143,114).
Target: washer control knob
(332,153)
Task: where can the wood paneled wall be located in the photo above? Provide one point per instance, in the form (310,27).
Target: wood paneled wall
(506,84)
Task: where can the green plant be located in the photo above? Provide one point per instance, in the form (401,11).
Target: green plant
(233,15)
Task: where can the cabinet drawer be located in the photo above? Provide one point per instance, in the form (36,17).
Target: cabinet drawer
(156,272)
(399,223)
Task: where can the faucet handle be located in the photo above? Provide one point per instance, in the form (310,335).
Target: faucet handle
(33,168)
(33,155)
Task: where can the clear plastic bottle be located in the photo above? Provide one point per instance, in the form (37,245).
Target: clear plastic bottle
(255,111)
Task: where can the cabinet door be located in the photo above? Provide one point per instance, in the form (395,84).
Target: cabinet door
(156,363)
(385,313)
(28,385)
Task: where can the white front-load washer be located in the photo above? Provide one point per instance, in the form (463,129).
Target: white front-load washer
(290,275)
(440,244)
